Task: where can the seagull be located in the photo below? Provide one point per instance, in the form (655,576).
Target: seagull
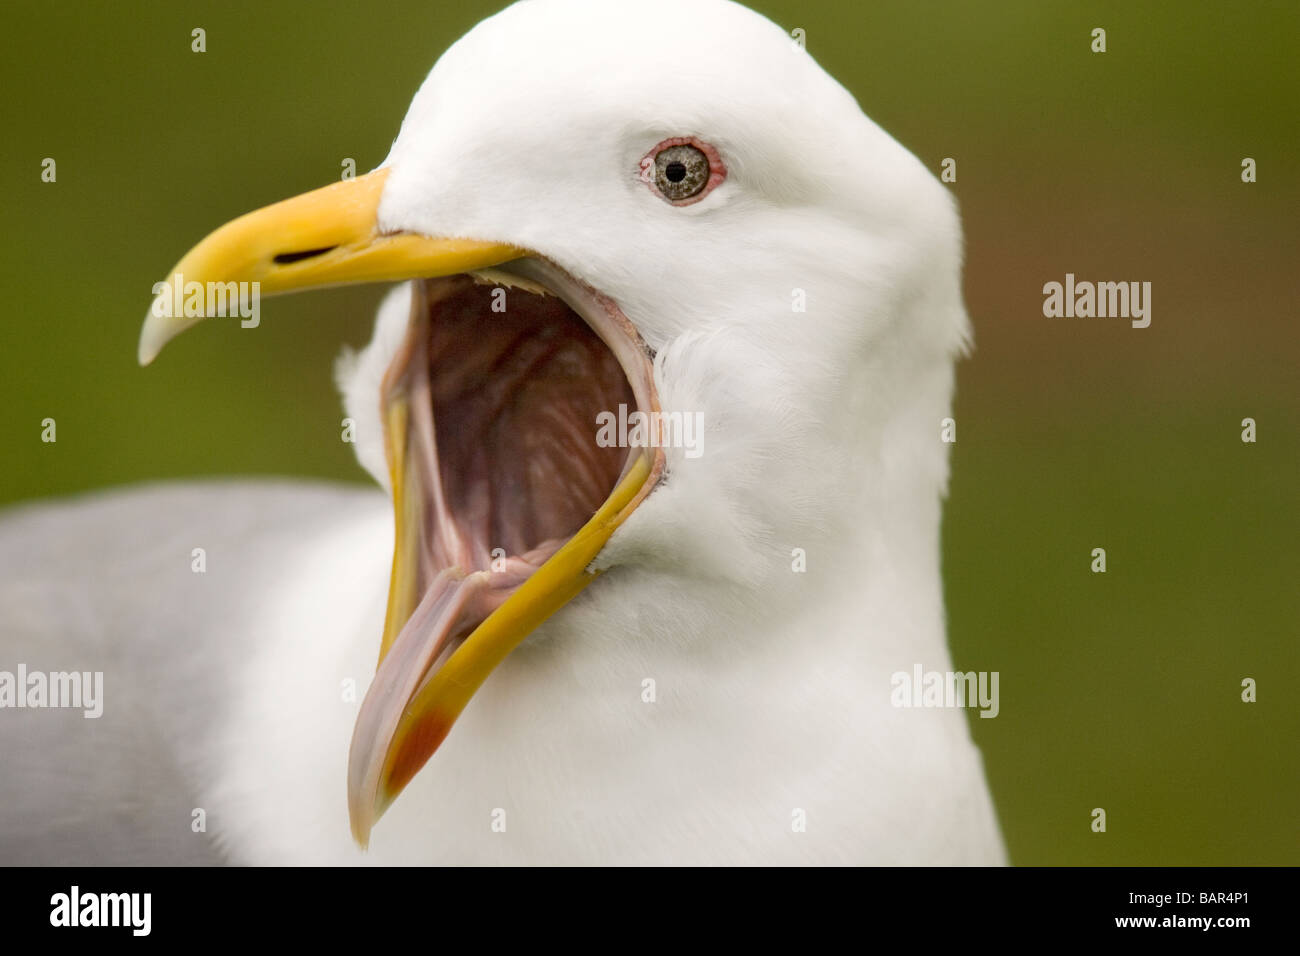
(541,641)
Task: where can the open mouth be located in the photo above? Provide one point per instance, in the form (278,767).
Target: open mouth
(489,408)
(502,494)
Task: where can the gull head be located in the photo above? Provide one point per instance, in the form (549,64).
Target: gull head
(673,309)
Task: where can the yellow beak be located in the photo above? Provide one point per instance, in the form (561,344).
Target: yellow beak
(330,237)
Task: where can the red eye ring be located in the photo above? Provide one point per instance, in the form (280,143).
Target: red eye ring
(717,169)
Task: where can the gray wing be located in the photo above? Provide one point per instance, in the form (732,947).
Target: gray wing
(106,583)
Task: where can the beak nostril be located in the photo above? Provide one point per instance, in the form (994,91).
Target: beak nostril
(284,258)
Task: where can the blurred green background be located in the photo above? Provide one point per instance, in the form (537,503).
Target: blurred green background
(1119,690)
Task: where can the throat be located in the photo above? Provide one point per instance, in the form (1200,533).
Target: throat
(506,387)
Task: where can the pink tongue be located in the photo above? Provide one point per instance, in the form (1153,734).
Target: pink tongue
(453,605)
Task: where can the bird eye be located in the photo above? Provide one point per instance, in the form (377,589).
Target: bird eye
(682,170)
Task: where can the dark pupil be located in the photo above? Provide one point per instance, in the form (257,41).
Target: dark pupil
(675,172)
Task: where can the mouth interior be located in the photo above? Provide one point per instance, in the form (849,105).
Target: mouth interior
(516,379)
(499,461)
